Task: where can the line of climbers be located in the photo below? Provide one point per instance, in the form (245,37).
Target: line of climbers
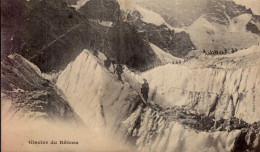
(118,69)
(217,52)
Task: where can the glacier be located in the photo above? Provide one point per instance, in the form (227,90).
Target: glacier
(185,103)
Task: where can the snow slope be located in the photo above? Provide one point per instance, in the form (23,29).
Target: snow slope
(156,134)
(93,92)
(163,56)
(211,36)
(152,17)
(79,4)
(220,87)
(223,86)
(234,93)
(239,23)
(254,5)
(32,108)
(114,108)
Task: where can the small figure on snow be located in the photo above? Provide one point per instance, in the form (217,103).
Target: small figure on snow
(107,63)
(95,53)
(119,71)
(113,64)
(145,89)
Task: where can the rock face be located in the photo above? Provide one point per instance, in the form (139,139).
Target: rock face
(219,11)
(117,107)
(60,39)
(106,10)
(128,47)
(52,42)
(222,11)
(48,33)
(177,44)
(23,88)
(254,24)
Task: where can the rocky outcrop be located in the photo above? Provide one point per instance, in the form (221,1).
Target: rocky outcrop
(254,24)
(129,48)
(24,89)
(105,10)
(177,44)
(220,11)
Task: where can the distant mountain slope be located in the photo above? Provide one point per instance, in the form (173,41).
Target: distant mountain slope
(48,33)
(177,13)
(52,33)
(214,36)
(225,25)
(165,57)
(254,5)
(215,24)
(155,30)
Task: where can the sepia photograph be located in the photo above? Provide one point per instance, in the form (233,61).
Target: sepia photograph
(130,75)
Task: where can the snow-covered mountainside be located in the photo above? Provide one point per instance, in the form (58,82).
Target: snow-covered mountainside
(191,110)
(155,30)
(212,86)
(165,57)
(178,13)
(213,25)
(224,25)
(202,80)
(34,109)
(79,4)
(213,36)
(254,5)
(149,16)
(97,96)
